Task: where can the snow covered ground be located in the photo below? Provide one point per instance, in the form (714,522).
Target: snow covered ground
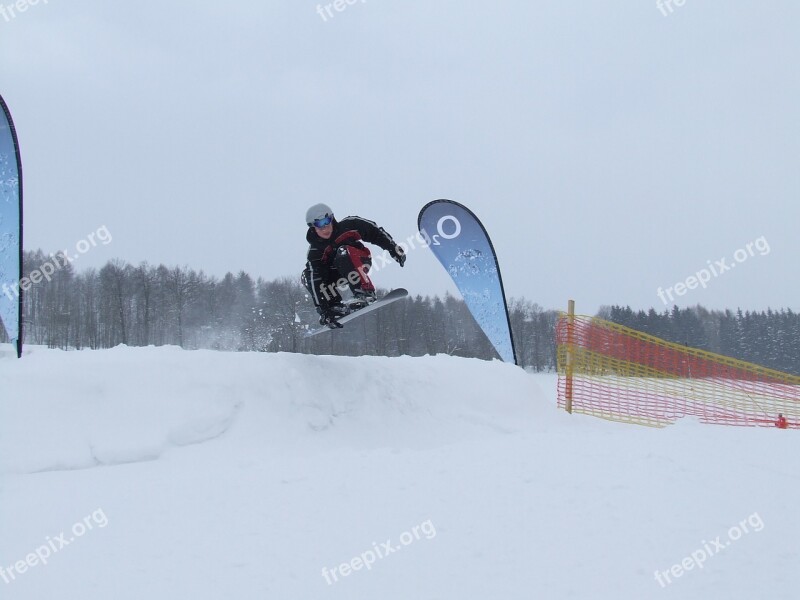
(157,474)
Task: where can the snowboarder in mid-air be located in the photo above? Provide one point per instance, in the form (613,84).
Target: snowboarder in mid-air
(337,258)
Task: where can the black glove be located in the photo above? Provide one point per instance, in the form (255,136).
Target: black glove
(399,255)
(328,317)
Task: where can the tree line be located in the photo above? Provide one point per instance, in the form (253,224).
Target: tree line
(142,305)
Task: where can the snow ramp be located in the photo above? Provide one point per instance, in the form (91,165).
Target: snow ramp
(76,410)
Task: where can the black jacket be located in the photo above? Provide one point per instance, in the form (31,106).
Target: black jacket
(350,231)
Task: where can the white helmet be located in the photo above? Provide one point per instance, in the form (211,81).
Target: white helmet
(318,212)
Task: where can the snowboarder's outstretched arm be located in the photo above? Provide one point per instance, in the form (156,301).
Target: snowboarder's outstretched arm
(371,233)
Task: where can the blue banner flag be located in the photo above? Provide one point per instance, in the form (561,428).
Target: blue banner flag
(460,242)
(10,230)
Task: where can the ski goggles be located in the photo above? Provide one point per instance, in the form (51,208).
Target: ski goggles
(324,221)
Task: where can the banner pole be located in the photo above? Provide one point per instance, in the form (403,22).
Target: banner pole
(570,355)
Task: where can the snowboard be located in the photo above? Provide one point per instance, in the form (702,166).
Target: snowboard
(392,296)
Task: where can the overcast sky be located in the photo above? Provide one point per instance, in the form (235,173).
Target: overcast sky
(609,149)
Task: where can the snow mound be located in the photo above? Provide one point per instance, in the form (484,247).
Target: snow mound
(76,410)
(254,475)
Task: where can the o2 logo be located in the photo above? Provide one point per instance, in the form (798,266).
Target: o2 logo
(448,227)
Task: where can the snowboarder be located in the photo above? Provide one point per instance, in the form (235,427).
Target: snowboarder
(337,257)
(781,423)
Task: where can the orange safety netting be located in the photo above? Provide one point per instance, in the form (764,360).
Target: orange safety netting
(621,374)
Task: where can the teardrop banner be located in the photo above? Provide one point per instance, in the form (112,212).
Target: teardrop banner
(459,241)
(10,230)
